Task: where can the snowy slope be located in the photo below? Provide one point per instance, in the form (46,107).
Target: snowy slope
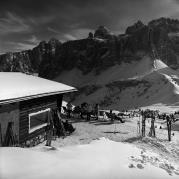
(100,159)
(138,84)
(115,73)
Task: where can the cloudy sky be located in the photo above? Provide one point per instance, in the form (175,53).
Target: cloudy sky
(23,23)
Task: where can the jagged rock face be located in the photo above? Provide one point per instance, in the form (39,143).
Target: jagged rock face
(103,33)
(93,55)
(134,28)
(170,25)
(164,36)
(100,52)
(29,61)
(86,54)
(16,62)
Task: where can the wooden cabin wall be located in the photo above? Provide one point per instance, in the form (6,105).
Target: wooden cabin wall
(30,106)
(9,113)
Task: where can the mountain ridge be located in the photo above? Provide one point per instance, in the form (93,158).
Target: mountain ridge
(117,71)
(158,35)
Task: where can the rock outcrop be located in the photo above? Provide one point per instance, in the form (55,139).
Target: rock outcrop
(160,38)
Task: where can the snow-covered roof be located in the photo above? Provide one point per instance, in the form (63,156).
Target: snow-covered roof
(17,86)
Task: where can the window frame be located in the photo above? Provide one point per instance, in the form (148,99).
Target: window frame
(38,126)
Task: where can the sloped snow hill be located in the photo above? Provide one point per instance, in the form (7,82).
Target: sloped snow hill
(129,85)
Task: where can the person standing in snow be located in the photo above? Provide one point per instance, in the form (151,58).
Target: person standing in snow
(69,109)
(58,124)
(111,115)
(96,109)
(83,109)
(89,111)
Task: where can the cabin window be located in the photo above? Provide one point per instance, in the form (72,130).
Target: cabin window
(38,120)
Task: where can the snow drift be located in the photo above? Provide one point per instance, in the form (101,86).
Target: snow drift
(100,159)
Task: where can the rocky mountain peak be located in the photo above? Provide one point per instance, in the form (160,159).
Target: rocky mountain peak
(103,33)
(54,41)
(171,25)
(134,28)
(99,51)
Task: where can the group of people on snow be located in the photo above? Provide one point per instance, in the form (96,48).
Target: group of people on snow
(88,111)
(84,109)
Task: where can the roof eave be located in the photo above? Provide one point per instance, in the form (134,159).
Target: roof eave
(8,101)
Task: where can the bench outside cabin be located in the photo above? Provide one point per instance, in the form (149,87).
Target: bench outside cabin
(25,103)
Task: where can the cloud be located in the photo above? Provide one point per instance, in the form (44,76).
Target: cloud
(53,30)
(69,37)
(25,21)
(33,40)
(11,23)
(41,20)
(18,46)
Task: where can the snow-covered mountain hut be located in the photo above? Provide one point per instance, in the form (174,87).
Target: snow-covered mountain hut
(25,103)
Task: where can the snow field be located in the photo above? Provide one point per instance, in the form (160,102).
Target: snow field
(101,158)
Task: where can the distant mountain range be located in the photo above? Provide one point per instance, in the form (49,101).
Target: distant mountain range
(103,65)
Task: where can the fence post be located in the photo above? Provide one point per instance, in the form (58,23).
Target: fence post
(143,125)
(152,131)
(138,124)
(169,127)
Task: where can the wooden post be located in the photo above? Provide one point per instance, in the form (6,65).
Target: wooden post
(138,125)
(143,125)
(152,129)
(169,127)
(9,137)
(50,128)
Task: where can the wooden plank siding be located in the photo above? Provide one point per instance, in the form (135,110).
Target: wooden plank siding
(31,106)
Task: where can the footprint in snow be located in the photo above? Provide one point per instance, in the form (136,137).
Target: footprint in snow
(131,165)
(176,172)
(140,166)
